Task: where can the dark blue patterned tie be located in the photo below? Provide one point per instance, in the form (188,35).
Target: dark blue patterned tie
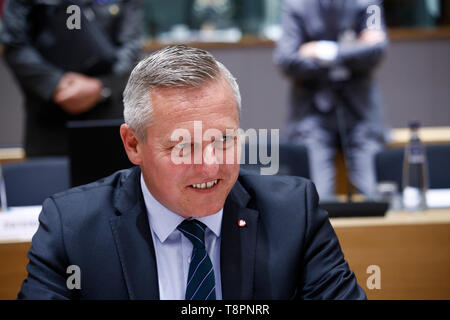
(201,282)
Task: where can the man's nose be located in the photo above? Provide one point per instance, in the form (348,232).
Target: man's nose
(210,163)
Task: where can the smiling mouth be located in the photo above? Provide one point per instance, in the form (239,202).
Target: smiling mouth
(205,185)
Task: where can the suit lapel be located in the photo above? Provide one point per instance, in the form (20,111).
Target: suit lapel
(133,240)
(238,246)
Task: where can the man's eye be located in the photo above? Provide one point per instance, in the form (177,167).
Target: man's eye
(184,149)
(181,146)
(225,142)
(226,138)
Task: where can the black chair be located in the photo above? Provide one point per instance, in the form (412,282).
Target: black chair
(32,181)
(293,160)
(389,166)
(95,150)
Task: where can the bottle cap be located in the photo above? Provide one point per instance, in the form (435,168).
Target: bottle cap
(414,125)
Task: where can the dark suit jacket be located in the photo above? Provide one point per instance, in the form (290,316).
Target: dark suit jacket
(287,250)
(304,21)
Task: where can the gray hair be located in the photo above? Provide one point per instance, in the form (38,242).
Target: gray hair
(173,66)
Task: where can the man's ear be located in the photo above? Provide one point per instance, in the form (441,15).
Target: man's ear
(130,143)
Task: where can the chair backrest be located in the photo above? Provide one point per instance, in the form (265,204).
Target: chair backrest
(293,160)
(32,181)
(389,165)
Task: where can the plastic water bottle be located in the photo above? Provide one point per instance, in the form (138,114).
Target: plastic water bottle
(415,176)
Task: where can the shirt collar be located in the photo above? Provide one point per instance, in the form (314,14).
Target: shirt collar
(164,221)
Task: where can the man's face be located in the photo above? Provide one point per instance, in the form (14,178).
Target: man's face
(181,110)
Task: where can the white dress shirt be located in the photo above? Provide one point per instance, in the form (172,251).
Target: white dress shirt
(173,250)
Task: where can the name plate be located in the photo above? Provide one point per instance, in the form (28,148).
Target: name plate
(19,224)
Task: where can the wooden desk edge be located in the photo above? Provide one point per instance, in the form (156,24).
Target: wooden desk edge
(395,34)
(432,216)
(12,154)
(429,135)
(15,241)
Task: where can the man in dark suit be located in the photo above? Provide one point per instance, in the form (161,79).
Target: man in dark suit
(69,74)
(329,50)
(185,224)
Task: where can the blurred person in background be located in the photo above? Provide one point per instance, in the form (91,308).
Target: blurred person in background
(72,60)
(330,49)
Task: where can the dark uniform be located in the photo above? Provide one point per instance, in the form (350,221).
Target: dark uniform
(39,53)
